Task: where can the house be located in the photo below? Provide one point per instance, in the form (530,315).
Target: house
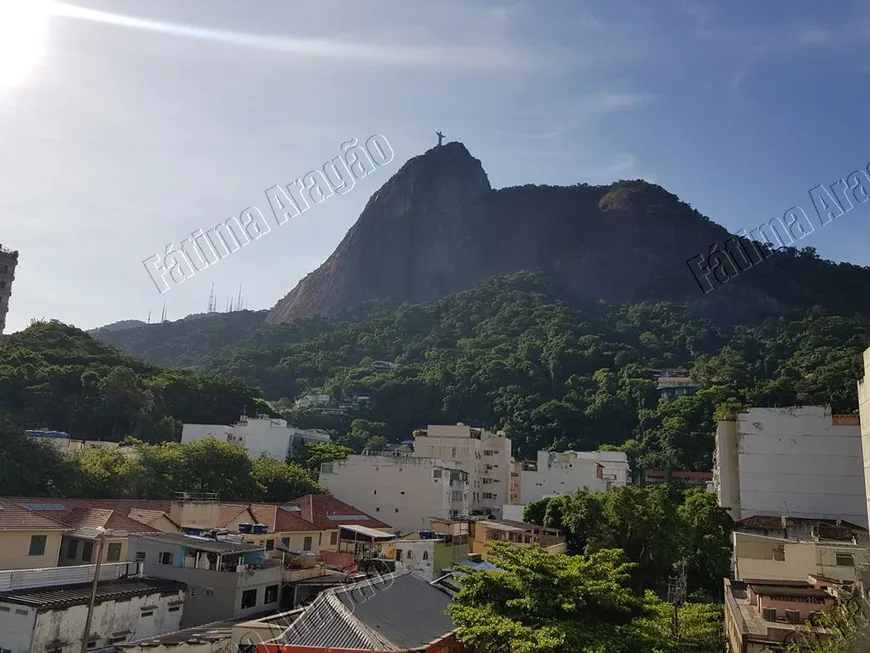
(674,385)
(46,610)
(399,612)
(481,533)
(762,616)
(801,462)
(28,539)
(402,488)
(226,578)
(428,553)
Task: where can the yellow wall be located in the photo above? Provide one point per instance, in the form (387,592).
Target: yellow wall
(164,525)
(320,541)
(15,548)
(64,561)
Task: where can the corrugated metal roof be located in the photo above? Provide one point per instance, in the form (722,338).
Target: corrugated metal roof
(80,593)
(368,532)
(202,543)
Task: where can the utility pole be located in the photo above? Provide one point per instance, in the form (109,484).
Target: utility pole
(677,596)
(101,536)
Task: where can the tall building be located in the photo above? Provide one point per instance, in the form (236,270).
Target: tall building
(566,472)
(864,412)
(793,462)
(8,261)
(484,455)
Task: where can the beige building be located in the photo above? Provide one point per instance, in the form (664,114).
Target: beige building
(8,261)
(403,489)
(484,455)
(759,556)
(28,540)
(483,532)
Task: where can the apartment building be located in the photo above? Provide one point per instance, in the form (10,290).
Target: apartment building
(484,455)
(225,577)
(864,412)
(800,462)
(402,489)
(28,540)
(483,532)
(8,261)
(258,435)
(565,473)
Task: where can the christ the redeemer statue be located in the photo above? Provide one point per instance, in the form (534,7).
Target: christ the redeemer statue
(440,138)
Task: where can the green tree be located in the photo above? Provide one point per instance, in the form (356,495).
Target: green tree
(317,453)
(277,480)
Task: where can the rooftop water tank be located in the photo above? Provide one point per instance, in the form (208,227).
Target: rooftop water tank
(246,528)
(260,529)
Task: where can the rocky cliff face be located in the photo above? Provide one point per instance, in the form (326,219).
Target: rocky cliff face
(437,227)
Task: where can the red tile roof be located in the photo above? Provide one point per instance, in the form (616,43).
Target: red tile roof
(316,508)
(18,518)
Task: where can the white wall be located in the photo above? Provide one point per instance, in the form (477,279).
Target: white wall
(33,631)
(399,490)
(567,472)
(272,437)
(864,411)
(796,462)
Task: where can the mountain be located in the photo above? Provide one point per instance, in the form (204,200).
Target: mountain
(437,227)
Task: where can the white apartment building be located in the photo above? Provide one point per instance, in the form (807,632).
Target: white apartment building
(864,412)
(484,455)
(564,473)
(401,490)
(797,462)
(260,435)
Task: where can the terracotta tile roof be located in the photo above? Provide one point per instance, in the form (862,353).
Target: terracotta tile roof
(230,511)
(281,521)
(316,509)
(146,517)
(16,517)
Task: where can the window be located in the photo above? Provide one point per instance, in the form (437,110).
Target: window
(146,613)
(403,492)
(249,599)
(845,560)
(398,554)
(487,495)
(72,549)
(410,554)
(487,481)
(375,491)
(436,473)
(37,545)
(397,510)
(306,544)
(114,552)
(166,558)
(270,545)
(425,555)
(117,640)
(378,509)
(271,594)
(87,551)
(140,556)
(175,608)
(333,538)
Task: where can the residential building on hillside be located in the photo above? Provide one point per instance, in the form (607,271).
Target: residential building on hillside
(515,489)
(67,443)
(692,479)
(8,261)
(399,612)
(763,616)
(260,435)
(225,577)
(404,489)
(47,609)
(676,384)
(484,455)
(781,559)
(564,473)
(799,462)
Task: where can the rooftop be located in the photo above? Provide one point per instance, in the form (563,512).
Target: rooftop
(202,543)
(406,613)
(60,596)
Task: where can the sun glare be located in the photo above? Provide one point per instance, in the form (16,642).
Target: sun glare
(23,32)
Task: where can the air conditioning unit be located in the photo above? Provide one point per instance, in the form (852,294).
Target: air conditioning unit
(769,614)
(793,617)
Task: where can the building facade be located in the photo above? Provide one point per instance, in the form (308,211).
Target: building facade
(798,462)
(260,435)
(864,412)
(8,261)
(399,489)
(484,455)
(564,473)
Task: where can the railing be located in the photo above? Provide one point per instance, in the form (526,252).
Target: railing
(15,579)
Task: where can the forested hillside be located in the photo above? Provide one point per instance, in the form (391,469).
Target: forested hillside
(511,354)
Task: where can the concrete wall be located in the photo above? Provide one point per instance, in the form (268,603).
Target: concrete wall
(15,549)
(80,549)
(792,461)
(560,474)
(24,630)
(211,595)
(398,490)
(864,411)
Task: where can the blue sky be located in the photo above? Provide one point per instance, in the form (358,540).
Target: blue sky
(128,126)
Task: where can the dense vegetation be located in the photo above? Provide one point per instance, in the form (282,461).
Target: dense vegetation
(36,468)
(511,354)
(659,528)
(544,602)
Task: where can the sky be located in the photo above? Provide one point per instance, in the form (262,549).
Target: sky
(125,125)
